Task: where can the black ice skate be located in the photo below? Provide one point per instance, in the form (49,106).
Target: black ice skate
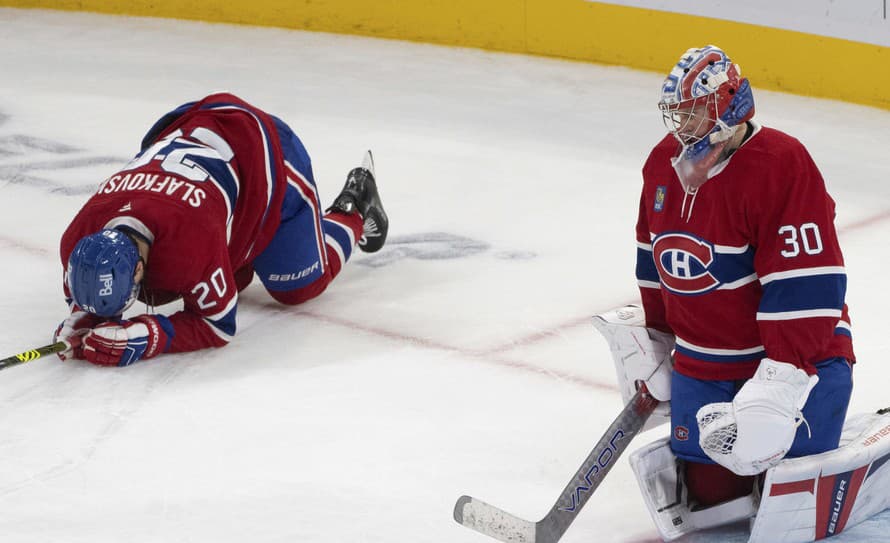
(360,194)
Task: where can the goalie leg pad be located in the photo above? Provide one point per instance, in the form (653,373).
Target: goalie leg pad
(663,486)
(814,497)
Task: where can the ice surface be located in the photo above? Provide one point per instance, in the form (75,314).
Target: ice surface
(458,360)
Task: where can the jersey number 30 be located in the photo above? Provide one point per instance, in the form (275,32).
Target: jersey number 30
(805,236)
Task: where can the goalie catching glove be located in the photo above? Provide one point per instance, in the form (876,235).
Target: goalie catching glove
(123,342)
(755,431)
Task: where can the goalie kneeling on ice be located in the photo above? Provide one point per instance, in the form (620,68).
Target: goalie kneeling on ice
(802,499)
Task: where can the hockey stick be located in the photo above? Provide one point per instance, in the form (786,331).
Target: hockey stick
(503,526)
(33,354)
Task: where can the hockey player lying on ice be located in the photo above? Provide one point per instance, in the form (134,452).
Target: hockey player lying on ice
(742,277)
(219,191)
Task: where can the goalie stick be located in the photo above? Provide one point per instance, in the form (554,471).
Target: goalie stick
(33,354)
(503,526)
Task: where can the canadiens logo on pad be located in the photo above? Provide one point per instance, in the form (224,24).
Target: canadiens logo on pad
(681,433)
(660,193)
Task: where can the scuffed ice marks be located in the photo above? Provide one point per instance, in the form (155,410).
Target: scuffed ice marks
(49,165)
(436,246)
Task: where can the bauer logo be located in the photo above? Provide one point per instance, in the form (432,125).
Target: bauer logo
(295,275)
(107,282)
(660,193)
(684,263)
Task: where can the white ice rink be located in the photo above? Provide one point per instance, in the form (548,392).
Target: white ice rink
(457,360)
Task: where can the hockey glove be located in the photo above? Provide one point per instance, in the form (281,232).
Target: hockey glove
(72,330)
(124,342)
(756,430)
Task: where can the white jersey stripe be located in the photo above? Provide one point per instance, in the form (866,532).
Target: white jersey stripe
(310,196)
(134,223)
(805,314)
(348,231)
(803,272)
(230,211)
(648,284)
(719,352)
(738,283)
(730,250)
(724,249)
(219,333)
(332,243)
(266,156)
(222,313)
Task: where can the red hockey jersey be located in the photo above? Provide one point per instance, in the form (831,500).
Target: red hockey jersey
(749,266)
(206,191)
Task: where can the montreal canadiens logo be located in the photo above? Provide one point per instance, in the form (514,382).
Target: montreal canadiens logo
(684,263)
(681,433)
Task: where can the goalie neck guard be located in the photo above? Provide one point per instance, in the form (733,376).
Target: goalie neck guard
(100,274)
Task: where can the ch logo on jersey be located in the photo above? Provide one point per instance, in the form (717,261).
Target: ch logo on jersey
(684,262)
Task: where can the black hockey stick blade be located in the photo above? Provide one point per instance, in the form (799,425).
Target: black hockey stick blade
(497,523)
(33,354)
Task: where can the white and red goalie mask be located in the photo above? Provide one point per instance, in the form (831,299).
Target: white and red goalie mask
(704,96)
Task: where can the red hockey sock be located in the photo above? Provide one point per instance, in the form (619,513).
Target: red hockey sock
(710,484)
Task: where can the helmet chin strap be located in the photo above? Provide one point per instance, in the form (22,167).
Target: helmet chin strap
(722,132)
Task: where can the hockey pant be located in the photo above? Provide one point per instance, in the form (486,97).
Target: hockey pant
(710,483)
(310,247)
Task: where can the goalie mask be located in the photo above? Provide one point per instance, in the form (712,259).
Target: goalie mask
(703,100)
(705,95)
(100,274)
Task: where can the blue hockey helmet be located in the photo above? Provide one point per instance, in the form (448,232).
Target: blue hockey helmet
(100,273)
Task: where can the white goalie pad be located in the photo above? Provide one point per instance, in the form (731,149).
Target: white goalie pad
(664,491)
(641,355)
(814,497)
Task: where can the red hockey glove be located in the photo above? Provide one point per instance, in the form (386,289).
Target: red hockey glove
(124,342)
(72,330)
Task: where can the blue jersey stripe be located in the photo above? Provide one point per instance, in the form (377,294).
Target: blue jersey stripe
(804,293)
(646,270)
(731,266)
(226,324)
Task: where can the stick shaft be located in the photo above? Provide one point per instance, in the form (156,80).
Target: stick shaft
(33,354)
(596,466)
(503,526)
